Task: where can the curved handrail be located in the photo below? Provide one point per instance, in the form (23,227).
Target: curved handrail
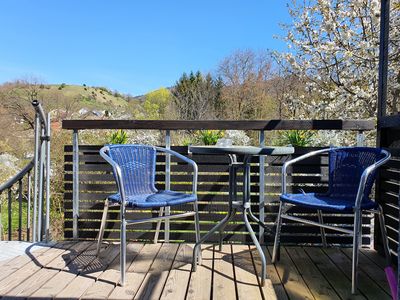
(21,174)
(40,112)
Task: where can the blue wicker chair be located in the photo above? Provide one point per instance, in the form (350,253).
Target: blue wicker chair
(352,172)
(134,169)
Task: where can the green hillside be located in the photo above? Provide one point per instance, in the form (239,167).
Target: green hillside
(90,97)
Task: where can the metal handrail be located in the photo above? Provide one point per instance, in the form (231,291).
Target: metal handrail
(21,174)
(40,165)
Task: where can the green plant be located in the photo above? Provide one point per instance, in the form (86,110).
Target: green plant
(209,137)
(297,138)
(119,137)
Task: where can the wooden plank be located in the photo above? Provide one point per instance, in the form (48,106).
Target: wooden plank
(340,283)
(245,277)
(77,287)
(223,276)
(375,257)
(200,281)
(178,277)
(10,266)
(38,279)
(294,284)
(376,274)
(22,274)
(365,285)
(220,124)
(278,290)
(318,285)
(136,273)
(155,279)
(57,283)
(110,278)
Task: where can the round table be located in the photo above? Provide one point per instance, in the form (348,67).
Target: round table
(235,204)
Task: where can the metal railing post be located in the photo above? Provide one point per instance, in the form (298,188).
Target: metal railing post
(361,143)
(261,201)
(28,217)
(1,220)
(41,187)
(9,215)
(35,183)
(167,182)
(75,183)
(360,138)
(47,224)
(20,210)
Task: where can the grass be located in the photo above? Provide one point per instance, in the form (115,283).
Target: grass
(14,217)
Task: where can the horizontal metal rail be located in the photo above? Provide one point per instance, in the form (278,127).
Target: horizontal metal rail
(160,218)
(304,221)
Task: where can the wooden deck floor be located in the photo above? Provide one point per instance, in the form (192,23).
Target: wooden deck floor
(162,271)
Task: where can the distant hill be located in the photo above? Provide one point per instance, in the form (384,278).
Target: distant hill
(92,97)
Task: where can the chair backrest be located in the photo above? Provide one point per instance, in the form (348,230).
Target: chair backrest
(138,167)
(346,166)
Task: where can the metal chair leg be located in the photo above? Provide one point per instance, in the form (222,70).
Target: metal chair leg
(322,229)
(197,229)
(157,233)
(123,246)
(102,227)
(356,245)
(276,250)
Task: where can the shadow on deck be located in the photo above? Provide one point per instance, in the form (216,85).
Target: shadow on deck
(163,271)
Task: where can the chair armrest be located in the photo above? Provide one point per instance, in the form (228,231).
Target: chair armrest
(117,171)
(367,172)
(185,159)
(297,159)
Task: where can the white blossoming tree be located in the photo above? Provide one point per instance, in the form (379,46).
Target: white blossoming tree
(334,50)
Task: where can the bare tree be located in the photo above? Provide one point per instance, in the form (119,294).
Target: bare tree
(245,75)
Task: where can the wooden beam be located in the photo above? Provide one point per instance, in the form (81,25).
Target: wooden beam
(268,125)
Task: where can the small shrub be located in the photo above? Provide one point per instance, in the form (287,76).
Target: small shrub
(62,85)
(118,137)
(297,138)
(209,137)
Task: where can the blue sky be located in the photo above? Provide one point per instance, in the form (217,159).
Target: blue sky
(130,46)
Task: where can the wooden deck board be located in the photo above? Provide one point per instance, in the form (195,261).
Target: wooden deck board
(332,273)
(155,279)
(293,282)
(366,285)
(318,285)
(71,270)
(224,284)
(201,281)
(246,280)
(136,272)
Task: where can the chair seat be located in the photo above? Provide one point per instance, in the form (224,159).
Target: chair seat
(159,199)
(324,202)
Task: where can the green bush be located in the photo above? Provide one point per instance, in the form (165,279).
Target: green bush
(209,137)
(118,137)
(296,138)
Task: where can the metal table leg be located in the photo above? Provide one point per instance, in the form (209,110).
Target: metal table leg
(246,210)
(217,227)
(221,225)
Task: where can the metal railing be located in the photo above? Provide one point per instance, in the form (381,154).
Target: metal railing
(262,126)
(40,165)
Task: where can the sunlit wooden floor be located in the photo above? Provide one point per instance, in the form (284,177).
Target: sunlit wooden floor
(70,270)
